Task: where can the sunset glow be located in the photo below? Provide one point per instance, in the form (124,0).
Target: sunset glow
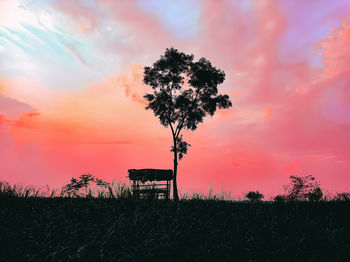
(71,91)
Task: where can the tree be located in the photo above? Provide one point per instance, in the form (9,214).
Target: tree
(254,196)
(184,92)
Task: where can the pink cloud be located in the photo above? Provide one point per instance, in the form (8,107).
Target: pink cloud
(133,84)
(13,107)
(336,52)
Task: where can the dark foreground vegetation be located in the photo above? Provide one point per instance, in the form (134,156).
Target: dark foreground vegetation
(125,229)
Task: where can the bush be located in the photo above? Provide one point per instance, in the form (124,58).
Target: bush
(75,186)
(315,194)
(302,188)
(342,197)
(254,196)
(279,198)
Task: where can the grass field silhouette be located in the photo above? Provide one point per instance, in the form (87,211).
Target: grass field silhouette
(44,225)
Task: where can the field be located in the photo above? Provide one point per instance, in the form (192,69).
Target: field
(102,229)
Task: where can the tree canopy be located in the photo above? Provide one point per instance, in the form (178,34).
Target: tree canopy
(184,91)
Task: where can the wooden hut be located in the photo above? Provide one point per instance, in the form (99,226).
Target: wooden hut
(151,182)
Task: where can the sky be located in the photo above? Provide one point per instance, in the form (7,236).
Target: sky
(71,91)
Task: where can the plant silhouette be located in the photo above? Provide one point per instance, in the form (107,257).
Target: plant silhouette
(302,188)
(85,180)
(254,196)
(75,185)
(184,92)
(315,194)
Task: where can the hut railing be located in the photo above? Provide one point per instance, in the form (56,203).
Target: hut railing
(160,180)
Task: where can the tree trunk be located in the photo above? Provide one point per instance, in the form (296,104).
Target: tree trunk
(175,193)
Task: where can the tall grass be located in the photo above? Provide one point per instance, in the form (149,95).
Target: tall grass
(115,190)
(18,190)
(122,190)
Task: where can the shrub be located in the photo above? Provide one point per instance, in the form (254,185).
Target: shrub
(342,197)
(74,187)
(279,198)
(302,188)
(254,196)
(315,194)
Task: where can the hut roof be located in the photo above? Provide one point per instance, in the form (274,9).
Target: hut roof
(150,174)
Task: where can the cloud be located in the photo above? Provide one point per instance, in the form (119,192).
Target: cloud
(133,83)
(77,54)
(336,54)
(13,107)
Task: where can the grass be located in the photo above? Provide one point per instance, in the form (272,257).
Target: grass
(38,228)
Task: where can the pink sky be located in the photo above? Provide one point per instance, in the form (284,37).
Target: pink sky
(71,91)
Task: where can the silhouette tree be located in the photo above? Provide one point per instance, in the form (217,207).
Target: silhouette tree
(184,92)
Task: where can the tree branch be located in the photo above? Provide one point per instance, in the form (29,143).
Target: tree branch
(172,129)
(180,125)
